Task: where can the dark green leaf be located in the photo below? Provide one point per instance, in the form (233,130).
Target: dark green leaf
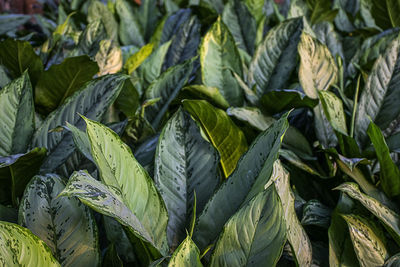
(11,22)
(16,116)
(65,225)
(276,101)
(393,8)
(60,81)
(91,101)
(185,164)
(316,213)
(111,258)
(379,11)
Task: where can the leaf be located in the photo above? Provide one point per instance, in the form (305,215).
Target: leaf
(184,43)
(253,169)
(91,101)
(81,141)
(151,67)
(129,30)
(274,59)
(256,8)
(390,173)
(326,34)
(20,247)
(89,40)
(108,58)
(226,137)
(210,94)
(116,165)
(134,61)
(379,97)
(17,56)
(218,57)
(128,100)
(393,261)
(98,11)
(321,11)
(255,235)
(185,163)
(173,23)
(106,200)
(148,17)
(17,170)
(167,87)
(60,81)
(187,254)
(316,213)
(276,101)
(379,11)
(389,218)
(16,116)
(323,129)
(368,240)
(66,226)
(334,112)
(111,258)
(393,8)
(241,24)
(10,22)
(318,70)
(297,237)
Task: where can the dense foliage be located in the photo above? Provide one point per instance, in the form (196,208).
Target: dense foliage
(200,133)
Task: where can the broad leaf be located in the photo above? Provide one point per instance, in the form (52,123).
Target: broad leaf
(19,247)
(187,254)
(379,98)
(368,240)
(276,101)
(18,56)
(116,165)
(379,11)
(16,116)
(173,23)
(393,8)
(297,237)
(185,164)
(98,11)
(318,70)
(167,87)
(128,100)
(255,235)
(81,141)
(325,33)
(275,58)
(109,57)
(218,57)
(64,224)
(89,40)
(184,44)
(333,109)
(60,81)
(134,61)
(389,218)
(390,173)
(255,167)
(129,30)
(226,137)
(148,15)
(241,24)
(151,67)
(91,101)
(17,170)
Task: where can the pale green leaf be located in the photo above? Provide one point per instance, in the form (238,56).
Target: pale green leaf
(129,30)
(334,112)
(134,61)
(187,254)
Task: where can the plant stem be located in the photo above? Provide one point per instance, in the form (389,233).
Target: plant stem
(353,116)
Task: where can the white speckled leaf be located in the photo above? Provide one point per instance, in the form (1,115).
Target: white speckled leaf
(187,254)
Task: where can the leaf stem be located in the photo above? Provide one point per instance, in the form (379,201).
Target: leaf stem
(353,116)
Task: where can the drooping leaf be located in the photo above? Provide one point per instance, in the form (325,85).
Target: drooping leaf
(318,70)
(185,163)
(19,246)
(276,101)
(17,170)
(167,87)
(184,43)
(226,137)
(390,173)
(64,224)
(109,57)
(368,240)
(106,200)
(334,112)
(241,24)
(18,56)
(98,11)
(91,101)
(116,165)
(60,81)
(389,218)
(254,169)
(275,58)
(255,235)
(380,95)
(16,116)
(218,57)
(129,30)
(297,237)
(187,254)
